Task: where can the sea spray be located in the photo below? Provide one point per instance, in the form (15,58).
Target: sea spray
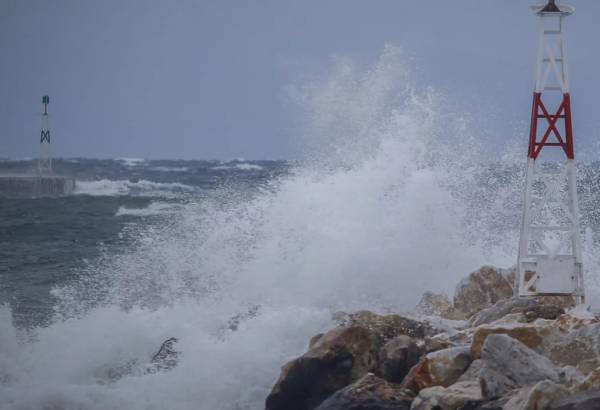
(391,201)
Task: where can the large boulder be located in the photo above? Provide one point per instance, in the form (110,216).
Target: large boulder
(386,327)
(397,357)
(537,397)
(543,311)
(574,347)
(369,393)
(438,342)
(581,401)
(433,304)
(440,368)
(483,288)
(567,341)
(508,364)
(472,373)
(502,308)
(530,335)
(591,381)
(458,396)
(338,358)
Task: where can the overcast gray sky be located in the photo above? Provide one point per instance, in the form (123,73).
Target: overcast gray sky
(206,79)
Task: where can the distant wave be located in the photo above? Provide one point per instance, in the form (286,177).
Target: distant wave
(8,159)
(155,208)
(244,166)
(106,187)
(170,169)
(131,162)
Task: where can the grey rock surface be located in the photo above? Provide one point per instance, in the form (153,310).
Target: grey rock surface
(397,357)
(338,358)
(458,396)
(369,393)
(508,364)
(502,308)
(582,401)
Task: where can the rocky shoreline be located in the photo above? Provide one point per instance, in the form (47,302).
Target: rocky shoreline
(482,350)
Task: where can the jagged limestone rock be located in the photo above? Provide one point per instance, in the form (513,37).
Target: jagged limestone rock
(472,373)
(439,304)
(338,358)
(569,340)
(502,308)
(547,312)
(440,368)
(531,336)
(508,364)
(386,327)
(537,397)
(397,357)
(369,393)
(483,288)
(581,401)
(456,396)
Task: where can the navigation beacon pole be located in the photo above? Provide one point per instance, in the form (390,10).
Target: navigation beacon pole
(549,260)
(45,160)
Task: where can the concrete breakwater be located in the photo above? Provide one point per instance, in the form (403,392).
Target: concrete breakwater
(35,185)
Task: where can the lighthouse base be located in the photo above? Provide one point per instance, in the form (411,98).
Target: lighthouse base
(35,186)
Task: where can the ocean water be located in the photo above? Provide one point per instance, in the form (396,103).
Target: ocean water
(244,261)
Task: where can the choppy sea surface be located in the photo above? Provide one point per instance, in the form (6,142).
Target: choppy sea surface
(45,242)
(244,261)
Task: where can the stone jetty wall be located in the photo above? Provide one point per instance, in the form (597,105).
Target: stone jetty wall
(35,186)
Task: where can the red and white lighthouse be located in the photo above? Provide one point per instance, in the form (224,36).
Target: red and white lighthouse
(549,261)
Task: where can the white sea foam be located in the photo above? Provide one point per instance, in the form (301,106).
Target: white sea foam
(155,208)
(244,166)
(106,187)
(131,162)
(248,167)
(394,210)
(170,169)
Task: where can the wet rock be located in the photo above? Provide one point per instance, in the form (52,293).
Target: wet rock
(569,340)
(508,364)
(234,322)
(338,358)
(564,302)
(166,357)
(537,397)
(576,318)
(369,393)
(397,357)
(580,401)
(458,396)
(483,288)
(441,368)
(472,373)
(547,312)
(386,327)
(433,304)
(502,308)
(530,335)
(498,404)
(437,342)
(590,382)
(314,340)
(574,346)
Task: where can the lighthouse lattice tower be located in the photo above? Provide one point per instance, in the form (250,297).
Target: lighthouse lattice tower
(45,159)
(549,260)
